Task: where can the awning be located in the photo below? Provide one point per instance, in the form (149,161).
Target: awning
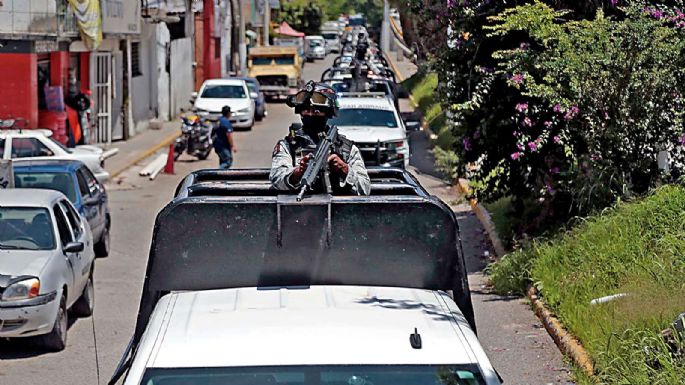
(286,30)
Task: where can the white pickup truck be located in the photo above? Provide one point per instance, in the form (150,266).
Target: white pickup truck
(372,122)
(245,285)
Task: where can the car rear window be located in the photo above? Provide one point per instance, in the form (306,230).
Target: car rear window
(216,91)
(365,117)
(60,181)
(26,228)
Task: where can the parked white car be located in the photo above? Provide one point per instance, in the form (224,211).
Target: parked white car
(217,93)
(38,144)
(332,38)
(352,335)
(375,126)
(46,265)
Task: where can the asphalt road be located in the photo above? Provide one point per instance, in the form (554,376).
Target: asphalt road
(134,203)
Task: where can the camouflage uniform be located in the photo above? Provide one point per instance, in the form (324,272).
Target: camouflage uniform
(289,151)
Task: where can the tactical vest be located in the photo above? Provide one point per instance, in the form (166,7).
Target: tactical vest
(301,144)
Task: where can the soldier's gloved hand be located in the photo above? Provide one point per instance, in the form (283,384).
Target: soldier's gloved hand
(337,165)
(296,175)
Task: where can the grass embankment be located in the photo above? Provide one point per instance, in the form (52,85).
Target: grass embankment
(636,248)
(422,86)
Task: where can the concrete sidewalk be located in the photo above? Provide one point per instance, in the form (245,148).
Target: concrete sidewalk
(513,338)
(141,146)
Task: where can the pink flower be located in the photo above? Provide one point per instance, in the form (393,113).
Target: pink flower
(554,170)
(557,139)
(521,107)
(548,124)
(520,147)
(516,79)
(550,189)
(533,146)
(515,155)
(557,108)
(467,144)
(572,113)
(682,140)
(527,122)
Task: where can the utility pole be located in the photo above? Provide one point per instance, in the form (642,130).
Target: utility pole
(242,46)
(385,28)
(267,21)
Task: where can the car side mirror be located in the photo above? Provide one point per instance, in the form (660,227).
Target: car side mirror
(74,247)
(254,95)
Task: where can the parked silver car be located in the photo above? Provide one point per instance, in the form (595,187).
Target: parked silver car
(46,265)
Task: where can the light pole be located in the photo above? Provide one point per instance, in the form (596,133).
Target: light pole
(385,28)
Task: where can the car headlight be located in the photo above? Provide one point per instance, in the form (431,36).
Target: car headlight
(292,82)
(201,112)
(24,289)
(244,110)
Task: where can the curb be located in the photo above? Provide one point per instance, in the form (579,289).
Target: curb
(165,142)
(566,342)
(483,216)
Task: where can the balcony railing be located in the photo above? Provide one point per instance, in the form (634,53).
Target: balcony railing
(37,18)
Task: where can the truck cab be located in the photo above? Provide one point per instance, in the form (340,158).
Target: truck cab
(278,70)
(247,285)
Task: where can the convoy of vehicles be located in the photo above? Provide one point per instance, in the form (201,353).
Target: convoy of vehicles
(278,70)
(46,260)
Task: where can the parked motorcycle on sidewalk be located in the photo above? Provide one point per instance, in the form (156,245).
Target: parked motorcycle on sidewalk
(195,138)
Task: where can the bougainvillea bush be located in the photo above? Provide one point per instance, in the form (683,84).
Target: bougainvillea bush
(565,107)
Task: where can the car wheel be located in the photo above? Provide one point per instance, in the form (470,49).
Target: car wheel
(204,155)
(86,303)
(101,248)
(56,340)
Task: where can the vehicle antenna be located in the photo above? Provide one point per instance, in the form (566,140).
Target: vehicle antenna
(95,342)
(415,339)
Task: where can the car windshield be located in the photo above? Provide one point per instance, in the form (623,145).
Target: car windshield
(330,36)
(285,60)
(365,117)
(60,181)
(315,43)
(261,61)
(26,228)
(222,91)
(320,375)
(60,145)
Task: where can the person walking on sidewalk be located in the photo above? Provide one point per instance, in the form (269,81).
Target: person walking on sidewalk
(223,139)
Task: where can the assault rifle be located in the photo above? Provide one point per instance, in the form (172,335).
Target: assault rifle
(318,163)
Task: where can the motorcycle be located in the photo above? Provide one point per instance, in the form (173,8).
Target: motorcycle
(195,139)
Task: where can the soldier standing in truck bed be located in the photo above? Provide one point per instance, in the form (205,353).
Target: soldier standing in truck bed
(317,103)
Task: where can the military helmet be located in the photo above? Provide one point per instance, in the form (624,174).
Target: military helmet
(319,96)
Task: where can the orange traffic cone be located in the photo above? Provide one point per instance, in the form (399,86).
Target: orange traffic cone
(169,168)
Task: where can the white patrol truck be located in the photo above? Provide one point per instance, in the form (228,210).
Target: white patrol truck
(245,285)
(372,122)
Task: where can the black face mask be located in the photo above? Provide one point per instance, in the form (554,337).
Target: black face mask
(314,124)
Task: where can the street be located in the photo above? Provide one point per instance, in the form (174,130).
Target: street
(119,278)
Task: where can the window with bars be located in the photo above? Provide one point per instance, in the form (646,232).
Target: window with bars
(135,59)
